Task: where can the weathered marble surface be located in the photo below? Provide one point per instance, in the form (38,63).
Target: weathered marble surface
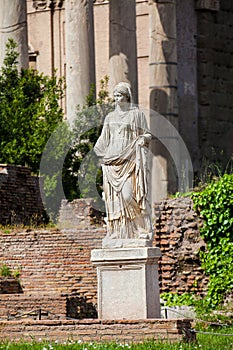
(80,54)
(123,146)
(127,283)
(13,24)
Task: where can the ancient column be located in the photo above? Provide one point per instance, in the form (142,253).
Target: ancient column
(187,73)
(163,85)
(163,58)
(80,56)
(123,48)
(13,24)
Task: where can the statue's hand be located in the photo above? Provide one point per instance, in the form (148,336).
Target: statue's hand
(142,141)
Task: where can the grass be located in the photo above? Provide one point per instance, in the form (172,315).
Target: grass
(204,342)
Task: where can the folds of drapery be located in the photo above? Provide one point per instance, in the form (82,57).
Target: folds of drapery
(125,174)
(133,161)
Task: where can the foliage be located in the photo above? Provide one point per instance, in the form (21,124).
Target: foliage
(81,162)
(215,206)
(68,159)
(174,299)
(29,111)
(51,168)
(188,299)
(5,271)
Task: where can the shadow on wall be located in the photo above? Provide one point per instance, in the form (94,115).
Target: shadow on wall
(79,308)
(10,285)
(166,175)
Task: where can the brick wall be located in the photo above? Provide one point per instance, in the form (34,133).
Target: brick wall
(96,330)
(58,261)
(20,196)
(52,260)
(177,235)
(13,306)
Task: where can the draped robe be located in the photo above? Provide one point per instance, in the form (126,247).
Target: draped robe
(125,174)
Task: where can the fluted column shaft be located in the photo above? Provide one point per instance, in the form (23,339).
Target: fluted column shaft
(122,44)
(163,58)
(13,24)
(163,93)
(80,54)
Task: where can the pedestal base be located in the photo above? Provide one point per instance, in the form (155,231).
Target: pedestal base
(127,282)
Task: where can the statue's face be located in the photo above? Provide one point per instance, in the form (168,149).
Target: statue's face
(120,99)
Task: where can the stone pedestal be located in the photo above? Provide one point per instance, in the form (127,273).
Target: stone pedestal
(127,282)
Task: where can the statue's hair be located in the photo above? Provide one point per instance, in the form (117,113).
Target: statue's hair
(125,89)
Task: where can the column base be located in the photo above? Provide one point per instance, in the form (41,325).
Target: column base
(127,282)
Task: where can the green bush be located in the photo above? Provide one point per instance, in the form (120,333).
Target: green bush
(5,271)
(86,130)
(29,111)
(68,155)
(215,205)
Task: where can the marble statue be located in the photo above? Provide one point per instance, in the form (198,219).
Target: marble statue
(123,146)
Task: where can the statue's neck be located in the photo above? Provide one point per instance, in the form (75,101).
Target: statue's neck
(123,108)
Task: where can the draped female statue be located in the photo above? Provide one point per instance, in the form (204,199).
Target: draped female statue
(123,146)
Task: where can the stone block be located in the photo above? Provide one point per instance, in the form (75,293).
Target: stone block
(127,282)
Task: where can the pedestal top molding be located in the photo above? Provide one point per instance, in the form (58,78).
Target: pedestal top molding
(116,255)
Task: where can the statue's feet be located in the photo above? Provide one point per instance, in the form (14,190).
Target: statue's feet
(144,236)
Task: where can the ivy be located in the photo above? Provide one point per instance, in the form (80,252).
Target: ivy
(215,205)
(173,299)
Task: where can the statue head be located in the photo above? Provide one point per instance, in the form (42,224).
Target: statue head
(124,89)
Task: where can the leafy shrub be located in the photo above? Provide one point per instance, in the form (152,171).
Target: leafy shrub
(173,299)
(215,206)
(5,271)
(86,130)
(29,111)
(68,155)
